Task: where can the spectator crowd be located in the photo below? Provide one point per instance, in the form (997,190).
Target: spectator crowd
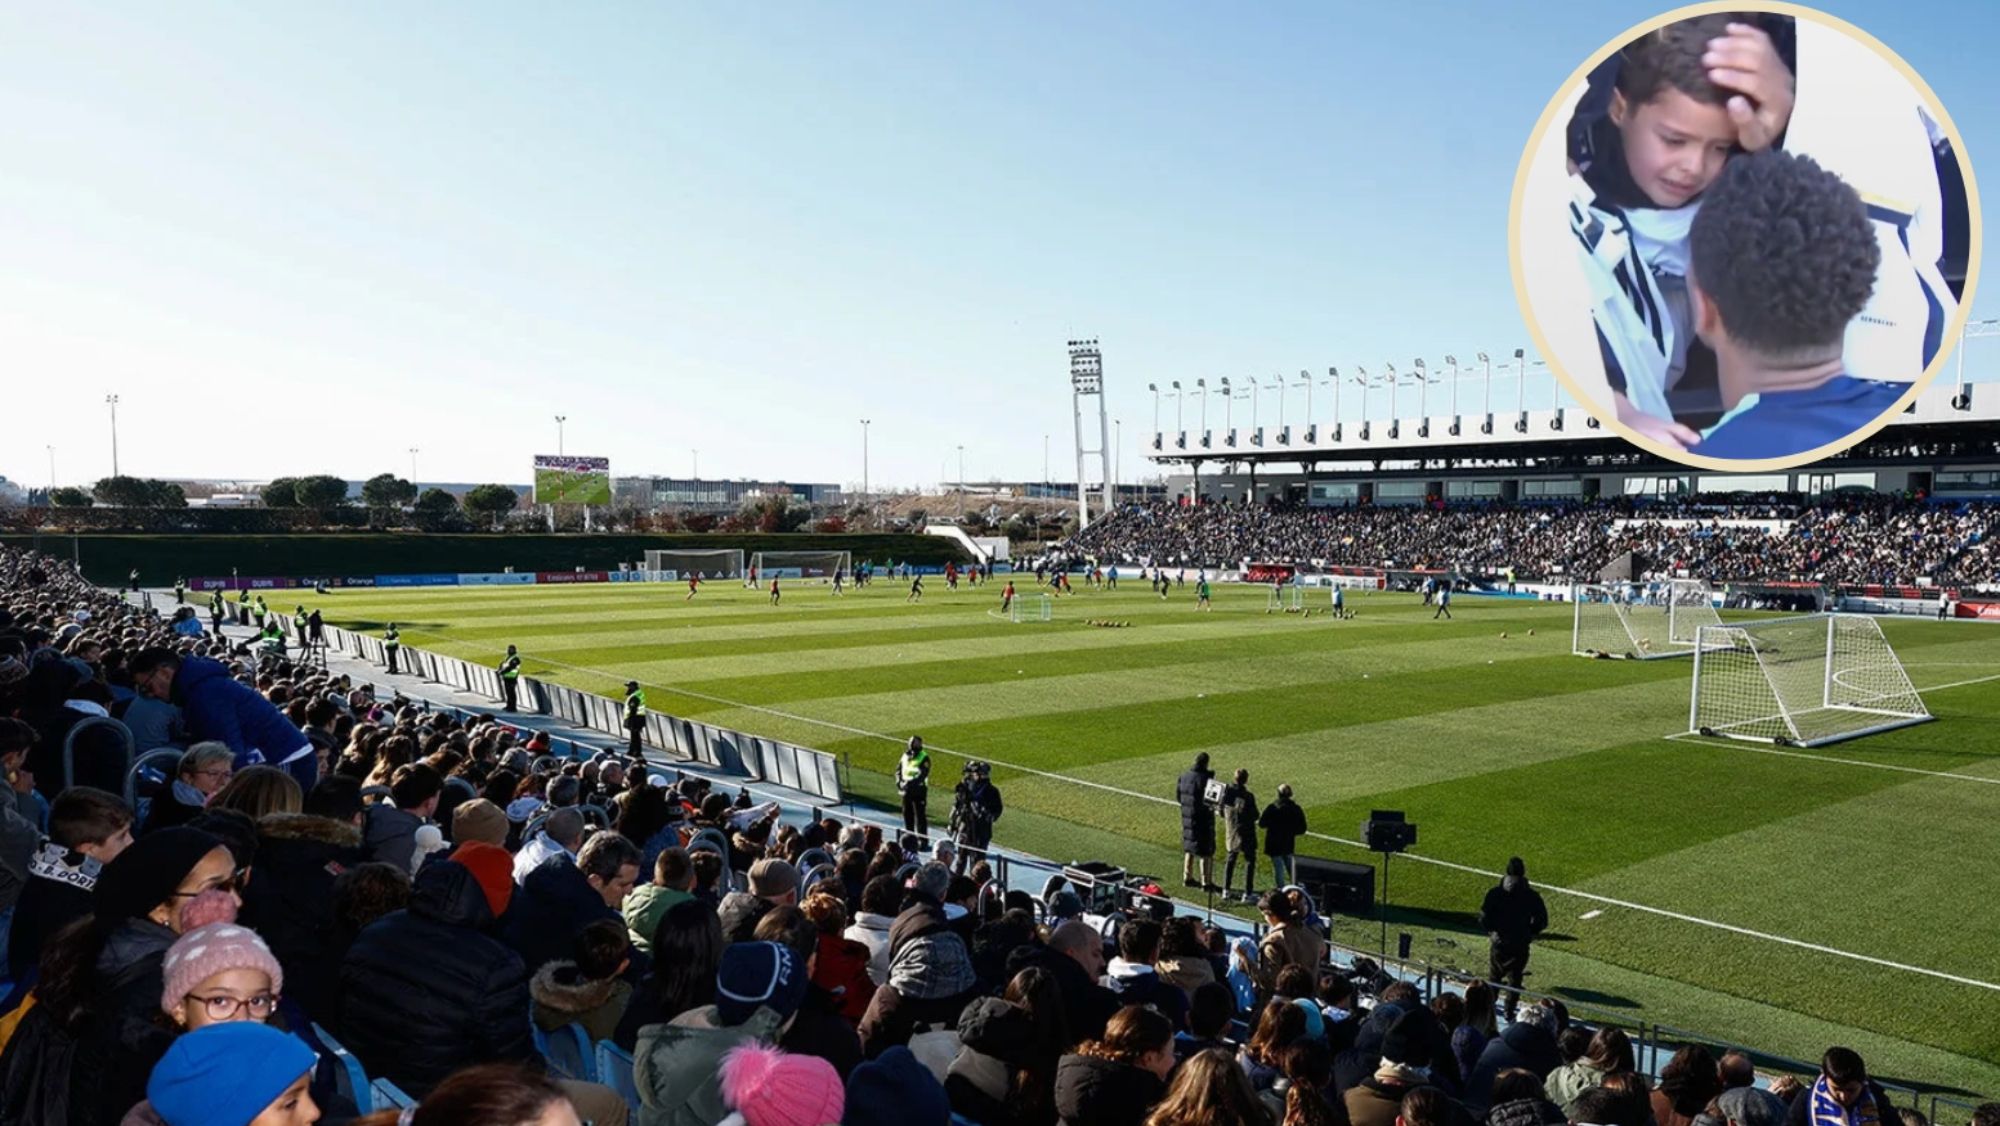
(1839,540)
(431,891)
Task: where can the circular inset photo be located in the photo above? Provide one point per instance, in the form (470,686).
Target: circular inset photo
(1743,238)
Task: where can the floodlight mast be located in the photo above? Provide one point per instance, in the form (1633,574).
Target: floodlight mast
(1086,380)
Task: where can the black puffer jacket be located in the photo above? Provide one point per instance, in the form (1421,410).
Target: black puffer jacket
(92,1075)
(1197,816)
(290,903)
(1098,1092)
(427,990)
(1522,1045)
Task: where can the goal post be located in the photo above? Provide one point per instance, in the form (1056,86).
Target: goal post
(1805,681)
(705,563)
(1641,622)
(820,566)
(1289,598)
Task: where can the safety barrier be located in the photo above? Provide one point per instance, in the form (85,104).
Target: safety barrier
(754,757)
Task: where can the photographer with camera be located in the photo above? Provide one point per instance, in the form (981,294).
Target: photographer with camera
(1197,823)
(975,806)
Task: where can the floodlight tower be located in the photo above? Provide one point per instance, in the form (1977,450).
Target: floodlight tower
(1086,380)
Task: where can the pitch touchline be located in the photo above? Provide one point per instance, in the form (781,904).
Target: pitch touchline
(1662,912)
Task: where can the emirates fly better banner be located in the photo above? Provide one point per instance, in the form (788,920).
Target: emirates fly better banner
(561,479)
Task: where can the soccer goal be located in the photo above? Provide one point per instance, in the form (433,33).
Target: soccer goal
(821,565)
(707,563)
(1804,681)
(1289,598)
(1031,608)
(1635,622)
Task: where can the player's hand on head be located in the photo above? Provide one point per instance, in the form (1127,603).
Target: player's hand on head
(1665,431)
(1745,61)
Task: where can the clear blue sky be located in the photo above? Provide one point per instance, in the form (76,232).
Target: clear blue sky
(300,239)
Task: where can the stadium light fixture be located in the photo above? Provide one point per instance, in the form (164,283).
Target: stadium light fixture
(864,462)
(1306,381)
(1201,393)
(560,419)
(413,465)
(1278,383)
(1180,397)
(52,473)
(1155,389)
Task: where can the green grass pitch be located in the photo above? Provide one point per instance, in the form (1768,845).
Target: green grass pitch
(1771,868)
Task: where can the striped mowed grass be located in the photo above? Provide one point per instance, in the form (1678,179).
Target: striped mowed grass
(1779,900)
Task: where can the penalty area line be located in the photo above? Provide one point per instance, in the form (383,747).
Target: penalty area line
(1591,897)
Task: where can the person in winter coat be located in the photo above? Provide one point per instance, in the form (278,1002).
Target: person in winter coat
(673,882)
(1518,1100)
(1843,1093)
(1183,960)
(88,828)
(1528,1043)
(976,808)
(1283,823)
(1377,1100)
(391,829)
(996,1039)
(880,900)
(237,1073)
(1132,978)
(429,989)
(1197,823)
(1512,916)
(203,769)
(289,896)
(559,899)
(1239,824)
(930,983)
(773,883)
(586,991)
(82,1053)
(840,965)
(1289,942)
(1116,1080)
(818,1028)
(219,707)
(1610,1053)
(676,1065)
(1074,956)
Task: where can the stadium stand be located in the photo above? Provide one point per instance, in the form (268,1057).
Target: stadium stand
(1831,541)
(369,936)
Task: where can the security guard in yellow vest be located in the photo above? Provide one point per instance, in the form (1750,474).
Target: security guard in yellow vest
(510,675)
(217,609)
(635,718)
(299,624)
(391,643)
(258,610)
(913,778)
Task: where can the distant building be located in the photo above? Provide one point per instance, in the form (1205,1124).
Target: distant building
(686,494)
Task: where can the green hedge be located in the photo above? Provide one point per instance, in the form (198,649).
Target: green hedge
(107,558)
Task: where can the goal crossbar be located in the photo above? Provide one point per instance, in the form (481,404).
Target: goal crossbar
(813,565)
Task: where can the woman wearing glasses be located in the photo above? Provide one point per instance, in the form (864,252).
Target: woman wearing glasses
(82,1053)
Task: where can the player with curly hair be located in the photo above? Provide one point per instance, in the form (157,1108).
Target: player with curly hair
(1781,258)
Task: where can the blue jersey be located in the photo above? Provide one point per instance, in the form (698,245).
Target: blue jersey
(1784,423)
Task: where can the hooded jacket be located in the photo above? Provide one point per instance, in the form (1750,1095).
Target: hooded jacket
(1239,818)
(289,901)
(1513,913)
(20,834)
(676,1066)
(740,912)
(562,995)
(1135,983)
(872,931)
(1087,1006)
(1522,1045)
(996,1038)
(1092,1091)
(219,707)
(428,990)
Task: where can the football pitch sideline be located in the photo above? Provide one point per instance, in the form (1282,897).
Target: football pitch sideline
(1786,899)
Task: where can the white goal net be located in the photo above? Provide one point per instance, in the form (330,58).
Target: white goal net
(1804,681)
(816,565)
(1640,621)
(1031,608)
(706,563)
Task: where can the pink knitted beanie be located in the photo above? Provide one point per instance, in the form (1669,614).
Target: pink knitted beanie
(769,1087)
(206,951)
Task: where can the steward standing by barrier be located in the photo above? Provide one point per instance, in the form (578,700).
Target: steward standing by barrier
(913,778)
(180,592)
(510,675)
(391,643)
(635,718)
(217,608)
(299,624)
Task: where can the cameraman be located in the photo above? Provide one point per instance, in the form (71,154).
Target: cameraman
(975,807)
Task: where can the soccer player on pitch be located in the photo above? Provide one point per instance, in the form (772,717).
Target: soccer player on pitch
(1007,596)
(916,589)
(694,583)
(1201,601)
(774,590)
